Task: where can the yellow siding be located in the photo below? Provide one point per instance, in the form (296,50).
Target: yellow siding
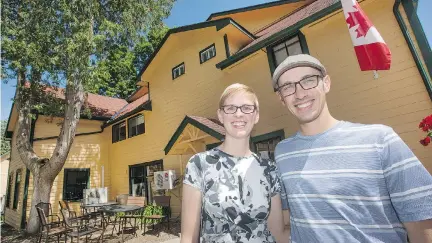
(13,216)
(49,127)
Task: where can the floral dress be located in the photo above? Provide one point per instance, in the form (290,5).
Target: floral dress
(236,194)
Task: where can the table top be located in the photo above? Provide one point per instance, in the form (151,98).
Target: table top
(120,208)
(94,205)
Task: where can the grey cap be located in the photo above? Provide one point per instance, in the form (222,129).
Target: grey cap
(300,60)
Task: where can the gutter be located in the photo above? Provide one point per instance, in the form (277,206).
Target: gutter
(410,42)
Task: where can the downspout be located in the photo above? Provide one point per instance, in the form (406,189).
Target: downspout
(410,43)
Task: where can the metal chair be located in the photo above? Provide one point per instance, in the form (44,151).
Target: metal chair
(79,227)
(46,207)
(48,229)
(165,203)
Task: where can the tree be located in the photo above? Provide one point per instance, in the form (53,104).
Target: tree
(116,74)
(48,43)
(5,145)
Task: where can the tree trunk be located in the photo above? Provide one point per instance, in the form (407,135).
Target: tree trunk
(41,193)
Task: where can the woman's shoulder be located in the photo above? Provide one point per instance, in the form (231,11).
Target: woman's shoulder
(204,157)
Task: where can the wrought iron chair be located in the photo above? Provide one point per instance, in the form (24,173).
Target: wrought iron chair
(165,203)
(48,229)
(46,207)
(79,227)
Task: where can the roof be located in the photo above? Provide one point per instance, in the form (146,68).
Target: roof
(219,24)
(142,103)
(251,8)
(288,25)
(208,125)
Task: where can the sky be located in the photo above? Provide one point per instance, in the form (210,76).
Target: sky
(187,12)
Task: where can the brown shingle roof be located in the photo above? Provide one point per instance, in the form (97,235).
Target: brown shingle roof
(299,15)
(210,123)
(132,106)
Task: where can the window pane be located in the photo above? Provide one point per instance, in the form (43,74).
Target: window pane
(115,133)
(140,128)
(76,181)
(292,40)
(122,133)
(294,49)
(280,56)
(279,47)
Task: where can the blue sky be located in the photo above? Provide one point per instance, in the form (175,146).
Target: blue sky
(187,12)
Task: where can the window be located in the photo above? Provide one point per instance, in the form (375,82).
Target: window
(140,178)
(9,188)
(17,188)
(136,125)
(119,132)
(75,181)
(287,48)
(177,71)
(265,145)
(208,53)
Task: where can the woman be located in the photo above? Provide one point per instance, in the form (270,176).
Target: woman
(228,191)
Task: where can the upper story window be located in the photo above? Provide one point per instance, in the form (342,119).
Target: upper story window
(119,132)
(178,71)
(75,181)
(136,125)
(287,48)
(208,53)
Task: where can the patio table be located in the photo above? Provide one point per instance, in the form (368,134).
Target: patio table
(114,209)
(97,205)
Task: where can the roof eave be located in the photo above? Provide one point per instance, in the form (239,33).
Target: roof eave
(146,106)
(277,36)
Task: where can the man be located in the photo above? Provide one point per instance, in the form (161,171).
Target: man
(346,182)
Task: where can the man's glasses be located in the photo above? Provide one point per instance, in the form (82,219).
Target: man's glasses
(231,109)
(306,83)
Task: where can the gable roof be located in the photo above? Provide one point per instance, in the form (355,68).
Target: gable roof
(283,28)
(140,104)
(251,8)
(208,125)
(219,24)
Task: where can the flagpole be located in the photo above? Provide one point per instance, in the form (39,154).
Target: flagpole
(375,74)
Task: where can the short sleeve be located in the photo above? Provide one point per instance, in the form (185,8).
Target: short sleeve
(274,180)
(408,182)
(283,194)
(193,172)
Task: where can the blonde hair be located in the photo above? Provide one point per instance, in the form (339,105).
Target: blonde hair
(237,88)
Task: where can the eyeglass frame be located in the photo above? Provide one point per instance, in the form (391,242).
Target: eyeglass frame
(238,107)
(319,77)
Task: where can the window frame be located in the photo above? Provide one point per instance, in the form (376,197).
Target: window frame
(207,49)
(145,176)
(271,55)
(112,133)
(176,67)
(129,126)
(17,187)
(9,190)
(65,171)
(266,137)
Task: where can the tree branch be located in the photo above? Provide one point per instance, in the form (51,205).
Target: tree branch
(23,104)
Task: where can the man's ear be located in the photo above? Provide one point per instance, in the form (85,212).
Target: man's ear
(327,83)
(281,98)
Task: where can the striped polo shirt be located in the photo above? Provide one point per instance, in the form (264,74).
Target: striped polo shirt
(352,183)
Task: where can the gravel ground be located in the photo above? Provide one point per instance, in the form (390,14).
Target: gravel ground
(11,235)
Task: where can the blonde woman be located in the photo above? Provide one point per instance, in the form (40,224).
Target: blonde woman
(230,194)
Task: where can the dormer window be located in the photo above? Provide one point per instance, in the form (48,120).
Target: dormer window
(178,71)
(208,53)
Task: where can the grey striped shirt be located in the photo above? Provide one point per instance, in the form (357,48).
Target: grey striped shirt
(352,183)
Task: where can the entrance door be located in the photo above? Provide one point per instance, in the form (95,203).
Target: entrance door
(139,185)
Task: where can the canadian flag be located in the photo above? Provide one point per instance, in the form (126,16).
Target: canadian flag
(371,50)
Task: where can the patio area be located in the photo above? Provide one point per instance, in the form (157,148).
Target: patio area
(159,235)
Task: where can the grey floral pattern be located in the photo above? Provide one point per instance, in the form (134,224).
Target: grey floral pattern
(236,193)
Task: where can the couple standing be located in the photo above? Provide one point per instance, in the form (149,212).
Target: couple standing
(334,181)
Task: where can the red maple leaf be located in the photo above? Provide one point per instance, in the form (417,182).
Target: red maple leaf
(359,18)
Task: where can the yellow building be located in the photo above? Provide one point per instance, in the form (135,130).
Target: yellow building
(172,115)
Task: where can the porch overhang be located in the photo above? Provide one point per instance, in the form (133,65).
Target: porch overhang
(192,132)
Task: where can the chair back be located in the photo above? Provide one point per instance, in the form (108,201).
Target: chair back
(66,217)
(63,205)
(46,207)
(164,201)
(122,199)
(138,201)
(42,216)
